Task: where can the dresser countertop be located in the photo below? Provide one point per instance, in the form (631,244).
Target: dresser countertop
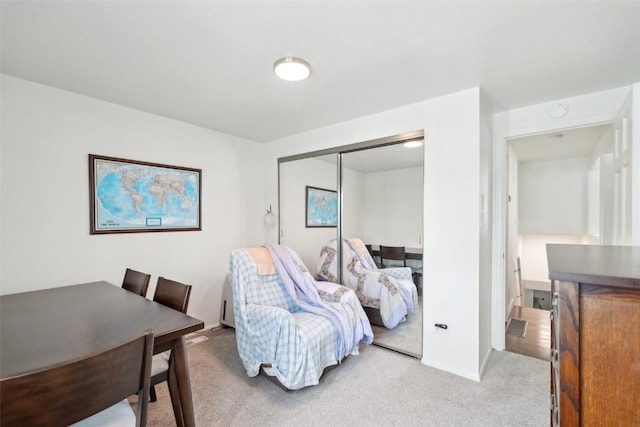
(595,264)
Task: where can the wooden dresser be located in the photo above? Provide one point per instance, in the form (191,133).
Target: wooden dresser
(595,335)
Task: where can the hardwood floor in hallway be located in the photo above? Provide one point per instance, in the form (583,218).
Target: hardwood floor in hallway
(537,340)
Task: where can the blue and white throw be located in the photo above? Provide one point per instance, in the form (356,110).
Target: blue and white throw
(290,321)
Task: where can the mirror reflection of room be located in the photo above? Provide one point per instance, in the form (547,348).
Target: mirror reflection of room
(380,206)
(383,204)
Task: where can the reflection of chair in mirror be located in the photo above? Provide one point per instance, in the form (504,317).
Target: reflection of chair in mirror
(393,256)
(370,250)
(396,254)
(388,294)
(289,326)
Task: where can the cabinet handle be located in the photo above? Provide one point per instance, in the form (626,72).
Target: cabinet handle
(554,301)
(554,357)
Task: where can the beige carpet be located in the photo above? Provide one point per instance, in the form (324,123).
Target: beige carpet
(377,388)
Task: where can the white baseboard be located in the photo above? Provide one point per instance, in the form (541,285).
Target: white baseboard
(206,328)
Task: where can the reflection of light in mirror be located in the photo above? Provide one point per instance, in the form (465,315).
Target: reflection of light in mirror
(413,144)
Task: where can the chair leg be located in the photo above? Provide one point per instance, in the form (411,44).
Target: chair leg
(152,392)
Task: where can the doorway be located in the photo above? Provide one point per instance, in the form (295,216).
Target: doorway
(614,106)
(559,190)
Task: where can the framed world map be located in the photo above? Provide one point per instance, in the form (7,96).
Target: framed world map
(321,207)
(130,196)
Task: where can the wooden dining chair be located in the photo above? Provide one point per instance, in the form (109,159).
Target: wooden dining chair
(90,391)
(174,295)
(136,282)
(393,253)
(370,250)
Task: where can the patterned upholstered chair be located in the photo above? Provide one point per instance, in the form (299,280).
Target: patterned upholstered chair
(388,295)
(289,326)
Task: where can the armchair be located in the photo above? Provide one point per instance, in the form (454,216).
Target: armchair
(287,324)
(387,294)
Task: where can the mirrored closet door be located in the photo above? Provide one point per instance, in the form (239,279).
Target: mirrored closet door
(378,190)
(382,206)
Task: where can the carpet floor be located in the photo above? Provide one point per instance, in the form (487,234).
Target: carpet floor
(377,388)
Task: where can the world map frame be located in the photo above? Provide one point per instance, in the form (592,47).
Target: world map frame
(132,196)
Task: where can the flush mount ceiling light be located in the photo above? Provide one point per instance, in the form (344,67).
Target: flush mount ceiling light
(292,69)
(413,144)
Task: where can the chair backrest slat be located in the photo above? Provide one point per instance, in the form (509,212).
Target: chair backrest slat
(72,391)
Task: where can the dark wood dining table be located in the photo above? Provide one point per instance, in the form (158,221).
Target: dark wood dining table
(44,328)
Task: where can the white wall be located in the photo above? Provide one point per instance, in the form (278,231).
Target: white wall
(393,204)
(606,199)
(635,154)
(46,137)
(512,286)
(553,196)
(451,213)
(533,253)
(485,202)
(603,153)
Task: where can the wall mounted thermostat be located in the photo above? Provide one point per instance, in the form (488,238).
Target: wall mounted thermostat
(559,110)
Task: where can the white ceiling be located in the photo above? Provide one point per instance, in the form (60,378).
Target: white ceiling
(210,62)
(567,144)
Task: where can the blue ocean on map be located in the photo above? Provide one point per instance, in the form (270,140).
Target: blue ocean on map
(170,197)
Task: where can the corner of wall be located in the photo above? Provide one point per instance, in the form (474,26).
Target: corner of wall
(483,363)
(475,376)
